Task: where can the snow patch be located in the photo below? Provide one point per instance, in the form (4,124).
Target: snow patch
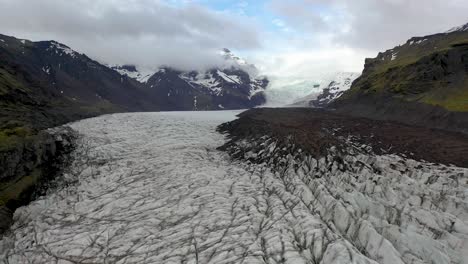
(46,69)
(61,50)
(141,75)
(204,80)
(229,78)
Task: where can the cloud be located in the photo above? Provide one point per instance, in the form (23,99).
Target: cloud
(326,36)
(144,32)
(371,24)
(312,64)
(285,38)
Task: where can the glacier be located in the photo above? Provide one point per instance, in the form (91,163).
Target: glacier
(153,188)
(294,91)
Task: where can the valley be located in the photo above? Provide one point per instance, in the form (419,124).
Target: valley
(144,139)
(153,188)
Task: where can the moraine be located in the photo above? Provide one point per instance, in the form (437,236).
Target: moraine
(152,188)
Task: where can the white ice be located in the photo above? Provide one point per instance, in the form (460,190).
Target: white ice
(152,188)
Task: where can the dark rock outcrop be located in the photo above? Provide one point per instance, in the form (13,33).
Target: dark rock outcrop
(28,167)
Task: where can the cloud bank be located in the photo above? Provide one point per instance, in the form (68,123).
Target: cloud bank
(321,36)
(145,32)
(294,38)
(371,24)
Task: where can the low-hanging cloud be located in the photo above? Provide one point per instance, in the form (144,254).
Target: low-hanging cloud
(145,32)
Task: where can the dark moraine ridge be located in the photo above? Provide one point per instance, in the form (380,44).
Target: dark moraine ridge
(315,131)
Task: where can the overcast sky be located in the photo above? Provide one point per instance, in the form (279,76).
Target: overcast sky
(288,38)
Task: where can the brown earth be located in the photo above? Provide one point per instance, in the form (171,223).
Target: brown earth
(316,130)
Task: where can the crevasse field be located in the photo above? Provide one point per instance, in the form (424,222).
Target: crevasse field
(152,188)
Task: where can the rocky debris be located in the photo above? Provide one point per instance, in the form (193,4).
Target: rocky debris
(388,207)
(317,130)
(29,167)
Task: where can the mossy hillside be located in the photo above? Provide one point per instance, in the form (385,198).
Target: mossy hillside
(12,137)
(11,192)
(9,82)
(429,70)
(416,48)
(456,101)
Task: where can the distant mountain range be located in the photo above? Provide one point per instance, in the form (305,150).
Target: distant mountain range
(233,87)
(47,83)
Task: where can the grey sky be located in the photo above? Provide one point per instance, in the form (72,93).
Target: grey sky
(144,32)
(283,37)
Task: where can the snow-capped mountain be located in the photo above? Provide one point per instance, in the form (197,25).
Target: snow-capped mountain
(234,85)
(332,88)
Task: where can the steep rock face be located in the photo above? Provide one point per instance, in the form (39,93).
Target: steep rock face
(424,81)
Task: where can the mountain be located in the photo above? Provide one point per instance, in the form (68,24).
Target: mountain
(46,83)
(234,86)
(331,89)
(423,82)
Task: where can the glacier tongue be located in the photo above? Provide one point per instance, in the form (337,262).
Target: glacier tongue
(152,188)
